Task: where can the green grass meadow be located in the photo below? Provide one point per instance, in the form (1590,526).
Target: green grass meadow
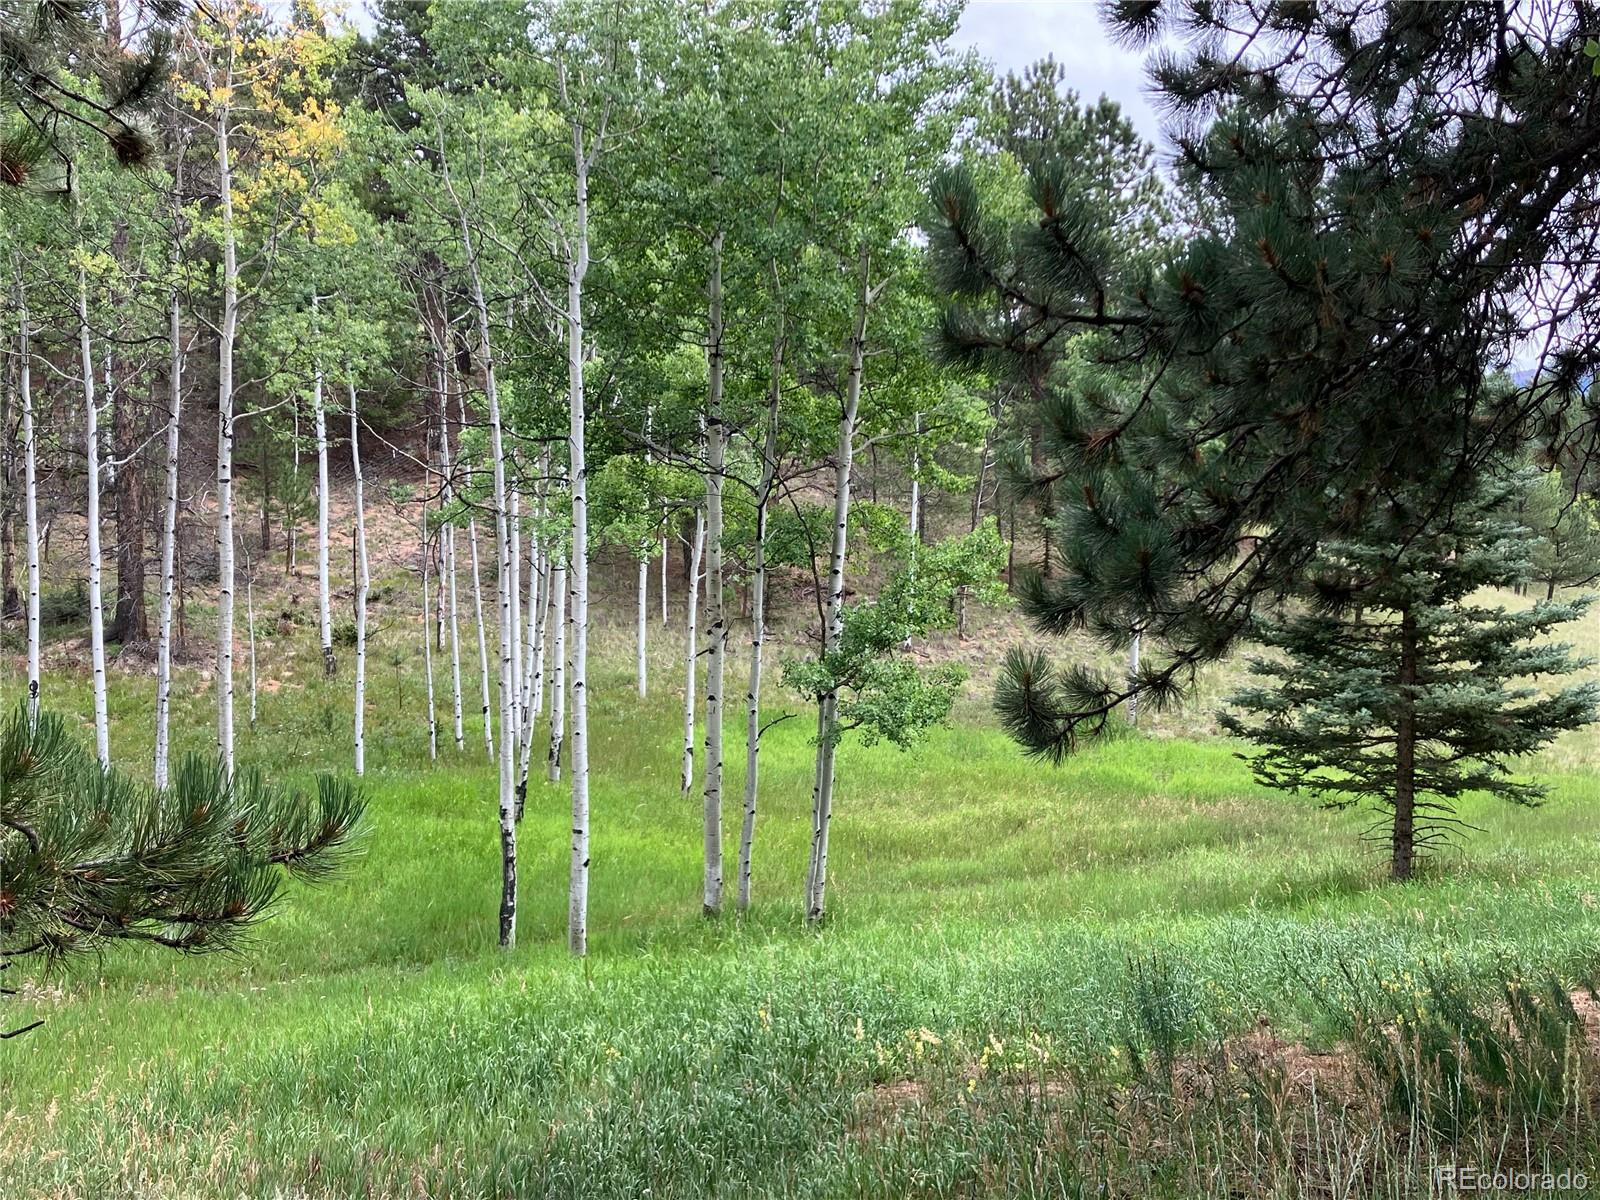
(1005,938)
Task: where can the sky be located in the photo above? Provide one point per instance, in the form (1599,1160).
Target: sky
(1014,33)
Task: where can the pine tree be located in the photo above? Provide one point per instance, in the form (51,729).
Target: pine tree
(1394,686)
(1567,553)
(90,856)
(41,99)
(1365,263)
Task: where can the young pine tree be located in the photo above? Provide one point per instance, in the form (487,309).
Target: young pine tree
(1395,686)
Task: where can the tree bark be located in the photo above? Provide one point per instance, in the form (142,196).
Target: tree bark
(758,634)
(558,671)
(130,621)
(514,545)
(533,658)
(363,585)
(10,597)
(427,644)
(30,493)
(230,321)
(447,533)
(483,645)
(828,702)
(691,648)
(91,438)
(717,625)
(169,541)
(578,268)
(503,534)
(330,664)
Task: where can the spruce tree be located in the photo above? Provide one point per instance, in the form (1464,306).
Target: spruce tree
(1393,684)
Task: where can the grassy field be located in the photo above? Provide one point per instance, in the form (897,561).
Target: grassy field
(1034,981)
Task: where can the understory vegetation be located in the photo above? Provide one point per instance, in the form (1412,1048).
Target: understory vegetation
(1138,973)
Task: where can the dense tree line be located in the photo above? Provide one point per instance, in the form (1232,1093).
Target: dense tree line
(648,281)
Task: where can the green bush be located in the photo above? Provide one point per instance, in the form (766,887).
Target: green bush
(64,606)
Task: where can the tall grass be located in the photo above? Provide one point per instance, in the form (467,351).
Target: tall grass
(1099,979)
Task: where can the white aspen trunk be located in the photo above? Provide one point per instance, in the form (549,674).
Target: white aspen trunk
(691,647)
(663,581)
(558,672)
(363,585)
(506,590)
(530,665)
(1133,674)
(483,647)
(532,616)
(578,889)
(514,545)
(758,632)
(250,626)
(716,609)
(330,665)
(427,644)
(91,435)
(541,628)
(541,636)
(828,704)
(477,604)
(640,668)
(536,684)
(503,534)
(169,529)
(448,551)
(225,340)
(30,492)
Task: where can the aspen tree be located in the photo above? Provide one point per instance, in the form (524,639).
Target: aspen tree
(828,703)
(717,617)
(30,491)
(504,583)
(758,621)
(225,340)
(691,648)
(427,644)
(169,529)
(91,435)
(558,670)
(363,583)
(330,664)
(447,539)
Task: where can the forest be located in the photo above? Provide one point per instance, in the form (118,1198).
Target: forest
(626,597)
